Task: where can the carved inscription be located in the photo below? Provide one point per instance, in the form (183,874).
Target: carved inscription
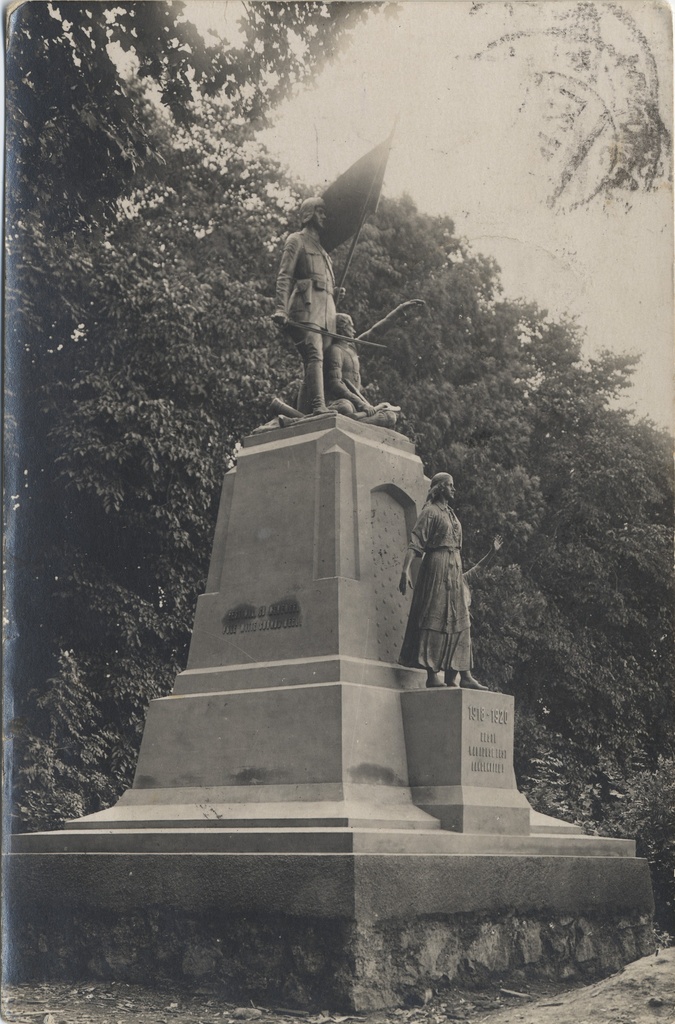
(248,618)
(497,716)
(487,754)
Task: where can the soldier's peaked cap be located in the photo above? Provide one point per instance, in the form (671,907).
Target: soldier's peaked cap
(307,208)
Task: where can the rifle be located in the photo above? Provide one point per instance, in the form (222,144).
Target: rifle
(332,334)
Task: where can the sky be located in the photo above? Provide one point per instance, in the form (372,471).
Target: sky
(511,116)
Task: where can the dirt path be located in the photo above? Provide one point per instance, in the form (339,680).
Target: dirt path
(643,993)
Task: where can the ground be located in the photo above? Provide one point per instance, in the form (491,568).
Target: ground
(643,993)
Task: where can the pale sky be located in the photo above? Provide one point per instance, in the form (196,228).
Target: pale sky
(510,137)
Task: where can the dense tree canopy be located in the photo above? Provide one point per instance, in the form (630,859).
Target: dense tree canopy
(147,353)
(84,149)
(75,135)
(578,625)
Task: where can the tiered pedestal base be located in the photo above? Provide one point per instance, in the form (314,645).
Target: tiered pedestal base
(341,892)
(306,824)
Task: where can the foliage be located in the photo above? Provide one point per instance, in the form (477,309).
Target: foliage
(167,360)
(646,812)
(577,626)
(73,755)
(116,452)
(75,135)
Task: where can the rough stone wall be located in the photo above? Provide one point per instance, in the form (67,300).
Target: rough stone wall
(396,960)
(278,960)
(327,964)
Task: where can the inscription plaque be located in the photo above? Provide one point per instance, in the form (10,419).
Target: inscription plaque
(249,618)
(488,750)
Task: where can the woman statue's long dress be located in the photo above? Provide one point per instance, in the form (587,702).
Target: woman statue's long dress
(438,634)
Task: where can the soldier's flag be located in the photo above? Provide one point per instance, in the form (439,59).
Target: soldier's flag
(354,195)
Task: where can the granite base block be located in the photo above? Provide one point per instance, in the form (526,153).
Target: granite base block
(340,931)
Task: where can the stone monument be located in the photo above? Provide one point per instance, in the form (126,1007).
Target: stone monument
(309,824)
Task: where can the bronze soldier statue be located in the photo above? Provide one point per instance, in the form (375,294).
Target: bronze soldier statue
(305,295)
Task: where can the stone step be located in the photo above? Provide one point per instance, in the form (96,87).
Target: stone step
(335,840)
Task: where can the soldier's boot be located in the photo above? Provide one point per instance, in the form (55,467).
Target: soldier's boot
(278,407)
(314,386)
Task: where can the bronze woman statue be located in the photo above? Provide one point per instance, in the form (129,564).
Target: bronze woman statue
(438,634)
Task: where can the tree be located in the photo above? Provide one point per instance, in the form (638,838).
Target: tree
(169,359)
(577,623)
(646,811)
(601,557)
(78,140)
(83,147)
(75,135)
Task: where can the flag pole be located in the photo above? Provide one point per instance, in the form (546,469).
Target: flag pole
(364,212)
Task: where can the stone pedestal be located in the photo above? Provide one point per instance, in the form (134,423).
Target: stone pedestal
(300,799)
(460,760)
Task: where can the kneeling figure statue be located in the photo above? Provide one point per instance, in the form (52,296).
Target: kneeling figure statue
(342,370)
